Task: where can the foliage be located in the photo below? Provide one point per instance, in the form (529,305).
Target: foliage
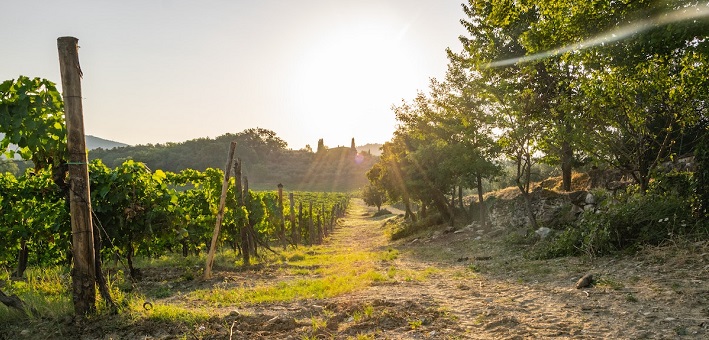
(382,212)
(374,196)
(701,189)
(140,212)
(33,212)
(31,117)
(632,221)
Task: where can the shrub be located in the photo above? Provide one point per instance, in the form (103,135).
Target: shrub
(639,219)
(381,213)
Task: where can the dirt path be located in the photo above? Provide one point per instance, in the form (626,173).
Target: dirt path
(468,283)
(454,286)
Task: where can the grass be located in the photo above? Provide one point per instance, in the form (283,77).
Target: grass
(326,273)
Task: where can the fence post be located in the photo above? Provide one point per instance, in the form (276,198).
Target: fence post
(293,230)
(220,213)
(83,274)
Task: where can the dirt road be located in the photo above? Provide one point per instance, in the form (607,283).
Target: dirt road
(468,284)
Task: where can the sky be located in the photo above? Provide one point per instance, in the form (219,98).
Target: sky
(157,71)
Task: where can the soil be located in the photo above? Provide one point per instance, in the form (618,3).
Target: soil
(470,282)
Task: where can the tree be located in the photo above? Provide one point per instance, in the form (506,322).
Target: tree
(9,166)
(374,196)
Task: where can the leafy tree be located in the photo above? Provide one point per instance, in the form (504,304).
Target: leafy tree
(374,196)
(9,166)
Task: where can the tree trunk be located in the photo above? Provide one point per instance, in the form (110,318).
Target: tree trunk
(13,301)
(567,158)
(481,200)
(407,206)
(134,273)
(440,202)
(100,278)
(22,257)
(524,170)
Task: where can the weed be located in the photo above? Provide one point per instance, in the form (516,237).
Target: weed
(630,298)
(608,283)
(415,324)
(368,311)
(479,319)
(318,323)
(390,255)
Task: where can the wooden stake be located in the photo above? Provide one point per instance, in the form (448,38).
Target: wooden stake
(294,230)
(282,227)
(83,273)
(220,213)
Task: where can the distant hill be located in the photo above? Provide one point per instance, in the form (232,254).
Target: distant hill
(372,148)
(265,161)
(93,142)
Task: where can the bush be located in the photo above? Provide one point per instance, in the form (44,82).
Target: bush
(381,213)
(406,229)
(641,219)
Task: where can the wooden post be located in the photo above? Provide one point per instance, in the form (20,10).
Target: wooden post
(311,227)
(293,230)
(243,231)
(322,212)
(83,274)
(282,231)
(301,221)
(251,234)
(220,213)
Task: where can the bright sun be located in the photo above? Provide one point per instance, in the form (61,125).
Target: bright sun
(356,62)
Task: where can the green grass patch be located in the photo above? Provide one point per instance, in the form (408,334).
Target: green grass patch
(171,314)
(300,289)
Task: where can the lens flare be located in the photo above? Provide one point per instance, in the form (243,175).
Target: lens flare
(612,36)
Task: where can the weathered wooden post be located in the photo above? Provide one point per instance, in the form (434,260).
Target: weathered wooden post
(243,231)
(301,221)
(319,228)
(83,273)
(220,213)
(251,232)
(294,235)
(311,227)
(282,231)
(322,212)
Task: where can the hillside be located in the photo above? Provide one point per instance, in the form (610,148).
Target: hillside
(265,161)
(93,142)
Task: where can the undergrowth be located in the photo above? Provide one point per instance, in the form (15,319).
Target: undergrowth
(628,221)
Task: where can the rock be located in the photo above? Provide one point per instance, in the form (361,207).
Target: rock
(585,281)
(590,199)
(543,232)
